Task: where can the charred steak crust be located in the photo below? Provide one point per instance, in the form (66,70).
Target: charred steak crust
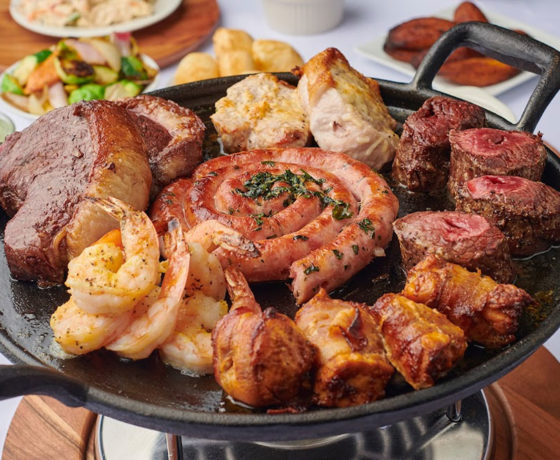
(422,159)
(465,239)
(485,151)
(173,136)
(527,212)
(90,148)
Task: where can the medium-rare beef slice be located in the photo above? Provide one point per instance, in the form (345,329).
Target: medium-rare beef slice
(173,136)
(422,159)
(465,239)
(527,212)
(487,151)
(87,149)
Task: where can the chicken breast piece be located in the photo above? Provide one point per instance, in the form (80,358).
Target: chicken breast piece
(345,109)
(260,111)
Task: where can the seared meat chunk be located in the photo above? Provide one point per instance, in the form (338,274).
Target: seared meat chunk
(420,342)
(484,151)
(466,239)
(527,212)
(487,312)
(422,159)
(260,357)
(346,111)
(87,149)
(352,366)
(173,136)
(260,112)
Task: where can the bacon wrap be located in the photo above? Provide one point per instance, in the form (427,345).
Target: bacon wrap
(299,239)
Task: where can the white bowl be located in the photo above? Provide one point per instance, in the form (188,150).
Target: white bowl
(303,17)
(5,105)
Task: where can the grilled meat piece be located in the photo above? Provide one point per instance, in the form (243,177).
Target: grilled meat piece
(87,149)
(345,109)
(527,212)
(422,159)
(260,358)
(260,112)
(487,312)
(352,366)
(484,151)
(465,239)
(173,136)
(420,342)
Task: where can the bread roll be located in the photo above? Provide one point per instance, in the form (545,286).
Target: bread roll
(226,40)
(275,56)
(194,67)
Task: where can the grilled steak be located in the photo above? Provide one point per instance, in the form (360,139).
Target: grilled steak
(90,148)
(527,212)
(173,136)
(482,151)
(422,159)
(465,239)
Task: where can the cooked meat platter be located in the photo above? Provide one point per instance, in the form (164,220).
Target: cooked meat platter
(148,393)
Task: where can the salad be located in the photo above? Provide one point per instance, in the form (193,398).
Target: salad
(75,70)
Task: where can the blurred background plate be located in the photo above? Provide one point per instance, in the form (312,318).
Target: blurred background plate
(162,9)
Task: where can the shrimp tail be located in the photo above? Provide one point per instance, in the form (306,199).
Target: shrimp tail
(237,243)
(239,291)
(111,206)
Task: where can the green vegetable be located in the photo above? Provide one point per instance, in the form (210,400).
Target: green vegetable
(312,268)
(104,75)
(74,72)
(87,92)
(25,67)
(11,85)
(121,89)
(132,67)
(42,55)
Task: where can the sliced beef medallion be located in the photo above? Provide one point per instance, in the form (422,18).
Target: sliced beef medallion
(465,239)
(483,151)
(527,212)
(87,149)
(422,159)
(173,136)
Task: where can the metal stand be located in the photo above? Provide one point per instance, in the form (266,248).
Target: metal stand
(463,430)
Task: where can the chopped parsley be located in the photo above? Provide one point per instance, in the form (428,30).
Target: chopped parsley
(212,173)
(337,254)
(367,227)
(300,237)
(355,248)
(312,268)
(264,185)
(268,163)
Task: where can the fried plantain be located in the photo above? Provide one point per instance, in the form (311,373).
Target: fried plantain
(457,55)
(417,34)
(477,71)
(468,11)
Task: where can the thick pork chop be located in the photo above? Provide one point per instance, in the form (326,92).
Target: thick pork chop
(87,149)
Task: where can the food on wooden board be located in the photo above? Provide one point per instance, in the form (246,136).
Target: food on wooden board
(422,159)
(527,212)
(261,111)
(465,239)
(345,109)
(488,312)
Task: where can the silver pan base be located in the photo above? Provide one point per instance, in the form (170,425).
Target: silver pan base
(463,431)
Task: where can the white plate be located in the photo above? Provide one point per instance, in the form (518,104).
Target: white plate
(162,9)
(6,106)
(374,51)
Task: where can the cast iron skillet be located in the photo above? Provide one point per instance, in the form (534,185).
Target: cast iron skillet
(147,393)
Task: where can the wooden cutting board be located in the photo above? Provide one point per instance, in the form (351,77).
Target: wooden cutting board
(525,406)
(166,41)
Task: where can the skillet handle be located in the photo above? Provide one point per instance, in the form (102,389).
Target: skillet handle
(23,380)
(505,45)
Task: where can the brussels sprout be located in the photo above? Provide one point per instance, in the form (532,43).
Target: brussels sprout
(87,92)
(133,67)
(74,72)
(122,89)
(104,75)
(11,85)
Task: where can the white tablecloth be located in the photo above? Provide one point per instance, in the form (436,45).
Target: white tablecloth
(363,21)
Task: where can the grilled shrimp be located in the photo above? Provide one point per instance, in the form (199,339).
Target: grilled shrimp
(155,321)
(105,279)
